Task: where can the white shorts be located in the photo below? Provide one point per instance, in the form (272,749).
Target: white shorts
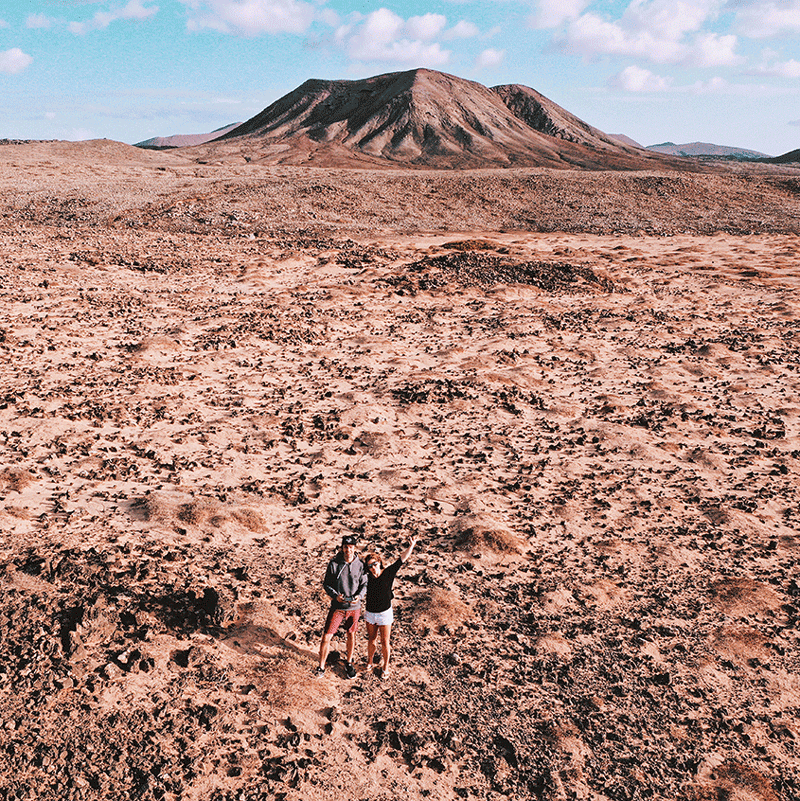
(379,618)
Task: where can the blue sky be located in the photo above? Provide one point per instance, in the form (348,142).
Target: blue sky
(721,71)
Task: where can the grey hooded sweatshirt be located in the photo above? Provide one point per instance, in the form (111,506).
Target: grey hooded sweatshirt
(347,579)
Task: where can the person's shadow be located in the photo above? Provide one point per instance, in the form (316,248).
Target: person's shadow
(253,639)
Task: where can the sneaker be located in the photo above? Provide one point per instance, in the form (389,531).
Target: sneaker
(320,672)
(349,670)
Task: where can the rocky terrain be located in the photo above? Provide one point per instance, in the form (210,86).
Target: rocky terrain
(580,390)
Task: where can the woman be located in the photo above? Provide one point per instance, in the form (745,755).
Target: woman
(378,614)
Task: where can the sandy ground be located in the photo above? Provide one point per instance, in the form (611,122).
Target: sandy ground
(595,436)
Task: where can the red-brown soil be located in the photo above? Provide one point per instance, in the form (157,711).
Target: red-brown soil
(580,390)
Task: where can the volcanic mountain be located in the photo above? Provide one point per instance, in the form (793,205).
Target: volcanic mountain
(424,118)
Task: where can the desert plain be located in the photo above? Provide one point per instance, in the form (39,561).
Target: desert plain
(579,389)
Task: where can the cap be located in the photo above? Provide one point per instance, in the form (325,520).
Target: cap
(348,540)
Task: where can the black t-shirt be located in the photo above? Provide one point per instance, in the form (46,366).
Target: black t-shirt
(379,589)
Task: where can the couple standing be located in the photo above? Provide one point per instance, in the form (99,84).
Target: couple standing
(348,580)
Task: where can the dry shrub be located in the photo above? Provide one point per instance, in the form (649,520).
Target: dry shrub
(197,511)
(16,478)
(152,508)
(283,680)
(434,609)
(19,512)
(373,443)
(139,347)
(739,595)
(740,642)
(484,533)
(251,519)
(737,782)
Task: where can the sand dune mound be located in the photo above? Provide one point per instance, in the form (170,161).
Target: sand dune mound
(425,118)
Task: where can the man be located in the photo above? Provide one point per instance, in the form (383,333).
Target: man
(346,583)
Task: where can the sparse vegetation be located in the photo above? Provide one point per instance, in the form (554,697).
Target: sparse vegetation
(482,533)
(198,511)
(16,478)
(436,609)
(251,519)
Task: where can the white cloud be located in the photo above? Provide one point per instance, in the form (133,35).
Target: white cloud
(133,10)
(761,19)
(384,36)
(638,79)
(712,86)
(589,35)
(553,13)
(14,61)
(251,17)
(329,17)
(666,19)
(39,21)
(490,58)
(3,23)
(462,30)
(782,69)
(661,31)
(713,50)
(426,27)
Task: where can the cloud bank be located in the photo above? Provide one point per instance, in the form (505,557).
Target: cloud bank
(680,34)
(250,17)
(383,36)
(134,10)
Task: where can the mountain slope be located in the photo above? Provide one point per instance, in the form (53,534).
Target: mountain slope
(786,158)
(424,118)
(626,140)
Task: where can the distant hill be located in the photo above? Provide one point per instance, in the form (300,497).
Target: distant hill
(699,149)
(786,158)
(183,140)
(424,118)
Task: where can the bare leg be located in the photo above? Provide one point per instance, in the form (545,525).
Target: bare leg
(372,636)
(386,649)
(351,644)
(324,648)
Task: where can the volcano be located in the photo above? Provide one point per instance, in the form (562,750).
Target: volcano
(426,119)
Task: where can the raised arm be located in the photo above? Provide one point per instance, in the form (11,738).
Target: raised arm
(407,552)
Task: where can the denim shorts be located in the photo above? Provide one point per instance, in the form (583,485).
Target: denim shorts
(379,618)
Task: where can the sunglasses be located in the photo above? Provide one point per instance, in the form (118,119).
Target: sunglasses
(370,565)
